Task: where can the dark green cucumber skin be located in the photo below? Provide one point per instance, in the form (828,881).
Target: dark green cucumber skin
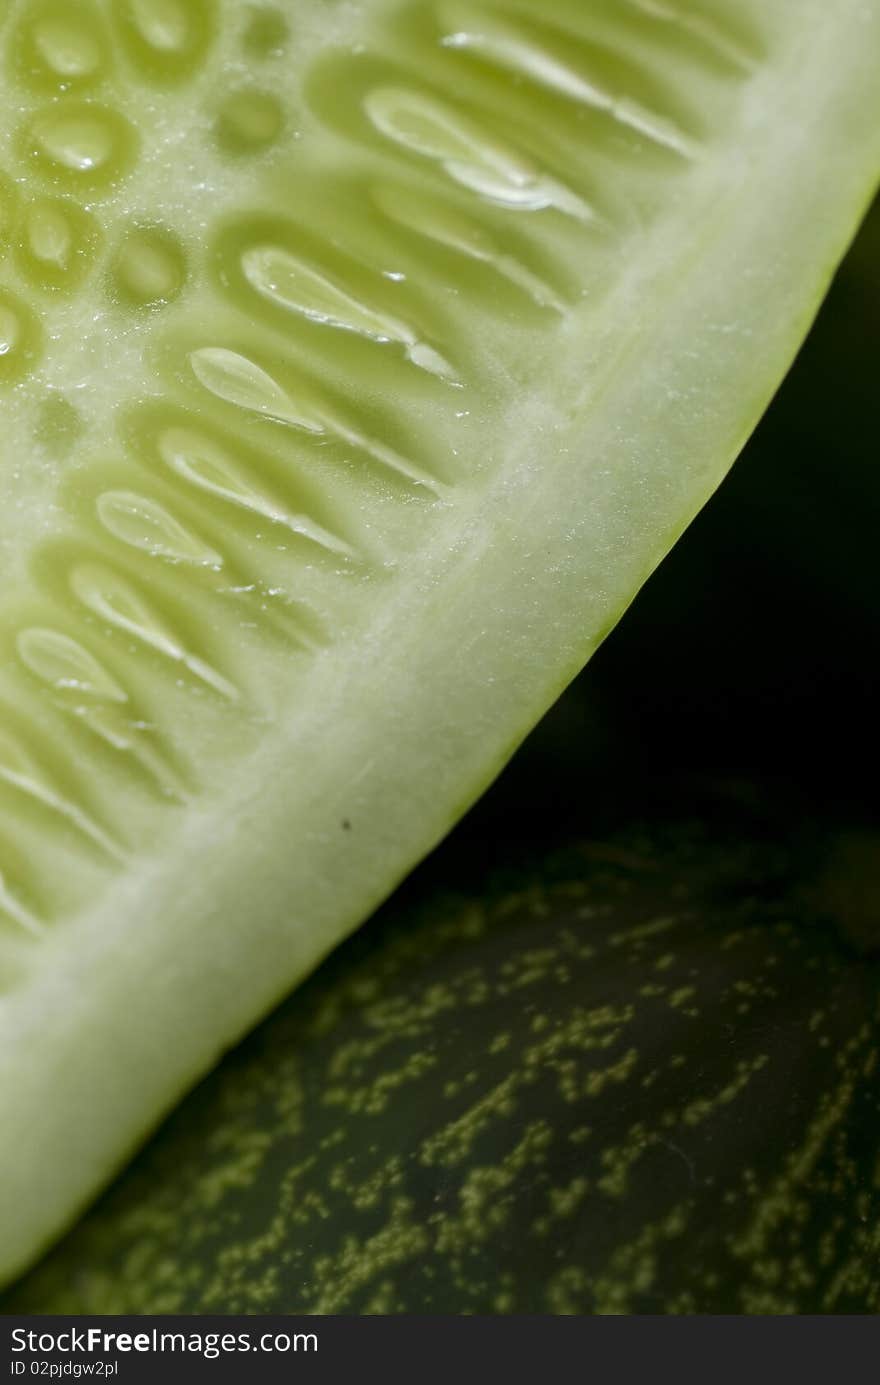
(634,1079)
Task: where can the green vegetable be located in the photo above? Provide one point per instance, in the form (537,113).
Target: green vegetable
(358,365)
(637,1077)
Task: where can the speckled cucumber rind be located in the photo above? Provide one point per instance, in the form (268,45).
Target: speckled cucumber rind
(637,1076)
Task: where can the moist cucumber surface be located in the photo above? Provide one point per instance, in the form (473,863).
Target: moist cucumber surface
(359,362)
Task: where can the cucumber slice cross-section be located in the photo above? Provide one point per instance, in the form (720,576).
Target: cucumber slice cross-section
(357,365)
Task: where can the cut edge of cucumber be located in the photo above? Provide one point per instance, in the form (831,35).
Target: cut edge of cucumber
(407,725)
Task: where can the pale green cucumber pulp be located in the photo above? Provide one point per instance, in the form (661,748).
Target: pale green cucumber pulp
(358,362)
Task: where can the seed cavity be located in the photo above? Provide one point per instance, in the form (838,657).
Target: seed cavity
(19,338)
(66,666)
(145,524)
(266,34)
(499,41)
(290,283)
(16,911)
(703,27)
(249,121)
(89,143)
(116,601)
(238,380)
(166,38)
(431,218)
(163,24)
(202,463)
(468,153)
(66,47)
(150,268)
(18,769)
(56,242)
(50,239)
(92,695)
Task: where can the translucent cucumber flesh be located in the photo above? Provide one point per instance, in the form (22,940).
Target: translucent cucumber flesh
(357,365)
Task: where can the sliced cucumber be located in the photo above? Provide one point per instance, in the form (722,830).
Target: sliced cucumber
(358,364)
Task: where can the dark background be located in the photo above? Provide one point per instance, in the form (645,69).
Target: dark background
(745,676)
